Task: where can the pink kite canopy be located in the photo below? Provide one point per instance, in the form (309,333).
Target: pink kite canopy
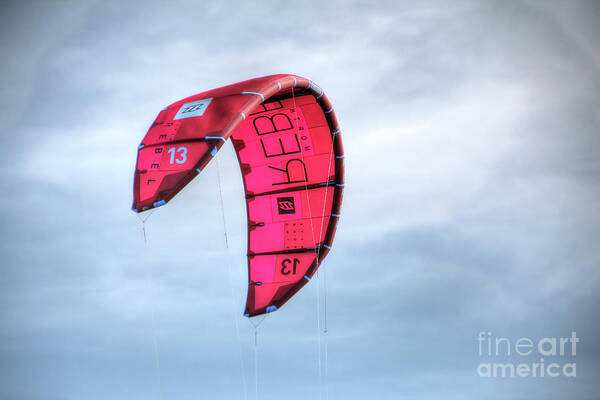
(289,148)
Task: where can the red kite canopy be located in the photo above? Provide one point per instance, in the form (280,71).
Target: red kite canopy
(289,148)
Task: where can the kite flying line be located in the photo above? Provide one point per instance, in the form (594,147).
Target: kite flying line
(230,273)
(150,287)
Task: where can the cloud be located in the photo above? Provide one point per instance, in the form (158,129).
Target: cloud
(471,147)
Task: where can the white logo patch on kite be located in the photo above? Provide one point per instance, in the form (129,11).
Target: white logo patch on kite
(193,109)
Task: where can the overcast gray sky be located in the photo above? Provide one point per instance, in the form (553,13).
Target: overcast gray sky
(471,132)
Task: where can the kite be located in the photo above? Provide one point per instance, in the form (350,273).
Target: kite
(287,140)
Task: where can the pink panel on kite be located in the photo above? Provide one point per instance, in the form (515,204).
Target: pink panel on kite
(292,220)
(269,274)
(290,205)
(260,296)
(156,163)
(149,184)
(289,235)
(286,146)
(290,174)
(279,268)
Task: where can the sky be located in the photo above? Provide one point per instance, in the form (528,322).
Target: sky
(471,135)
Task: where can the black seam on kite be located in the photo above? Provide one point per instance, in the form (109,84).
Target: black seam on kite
(294,189)
(289,251)
(190,140)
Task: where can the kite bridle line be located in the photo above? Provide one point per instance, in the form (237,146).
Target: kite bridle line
(230,273)
(150,285)
(334,135)
(315,243)
(260,319)
(237,328)
(319,245)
